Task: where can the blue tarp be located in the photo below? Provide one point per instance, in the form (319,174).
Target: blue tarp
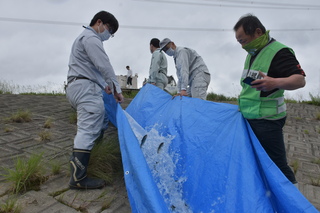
(199,156)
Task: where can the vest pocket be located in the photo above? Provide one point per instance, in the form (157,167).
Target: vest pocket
(250,109)
(268,107)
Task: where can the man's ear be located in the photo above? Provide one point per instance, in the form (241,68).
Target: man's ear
(99,21)
(259,31)
(173,45)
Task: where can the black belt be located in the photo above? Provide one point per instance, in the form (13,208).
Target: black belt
(77,78)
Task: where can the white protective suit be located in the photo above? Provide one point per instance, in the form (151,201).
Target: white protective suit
(90,63)
(193,74)
(158,69)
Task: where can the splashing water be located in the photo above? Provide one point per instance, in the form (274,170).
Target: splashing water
(160,161)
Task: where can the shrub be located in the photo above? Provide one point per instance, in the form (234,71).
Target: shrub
(10,206)
(295,166)
(55,167)
(48,123)
(315,181)
(45,135)
(218,97)
(129,93)
(315,100)
(21,116)
(316,161)
(26,175)
(105,161)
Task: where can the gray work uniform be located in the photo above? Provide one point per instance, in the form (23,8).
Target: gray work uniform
(89,61)
(193,74)
(158,69)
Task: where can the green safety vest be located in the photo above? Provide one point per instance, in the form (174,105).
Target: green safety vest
(252,106)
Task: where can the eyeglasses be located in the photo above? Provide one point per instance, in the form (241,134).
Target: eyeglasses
(110,30)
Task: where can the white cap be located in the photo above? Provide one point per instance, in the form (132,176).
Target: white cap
(164,43)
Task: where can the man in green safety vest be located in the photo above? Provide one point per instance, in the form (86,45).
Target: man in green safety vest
(269,69)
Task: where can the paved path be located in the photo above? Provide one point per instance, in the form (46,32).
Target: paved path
(302,135)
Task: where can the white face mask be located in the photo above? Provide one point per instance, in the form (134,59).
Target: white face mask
(170,52)
(105,35)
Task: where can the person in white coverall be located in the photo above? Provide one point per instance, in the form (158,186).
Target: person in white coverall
(193,74)
(158,66)
(90,73)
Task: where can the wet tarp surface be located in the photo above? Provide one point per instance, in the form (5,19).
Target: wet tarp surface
(190,155)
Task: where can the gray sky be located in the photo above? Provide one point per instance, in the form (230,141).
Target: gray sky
(37,35)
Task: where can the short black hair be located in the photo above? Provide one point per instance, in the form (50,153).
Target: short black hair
(127,67)
(155,42)
(249,23)
(106,18)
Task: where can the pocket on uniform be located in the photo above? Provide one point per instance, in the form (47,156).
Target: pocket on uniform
(91,117)
(200,84)
(201,80)
(93,108)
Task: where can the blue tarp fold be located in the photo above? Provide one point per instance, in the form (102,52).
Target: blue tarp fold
(216,164)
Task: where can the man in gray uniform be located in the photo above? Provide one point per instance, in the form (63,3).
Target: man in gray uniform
(90,73)
(158,67)
(193,74)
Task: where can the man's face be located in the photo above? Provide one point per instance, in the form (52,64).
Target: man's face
(167,47)
(243,38)
(151,49)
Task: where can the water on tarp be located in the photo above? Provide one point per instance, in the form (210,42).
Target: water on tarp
(162,165)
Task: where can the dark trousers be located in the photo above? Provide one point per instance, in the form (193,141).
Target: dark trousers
(129,81)
(270,135)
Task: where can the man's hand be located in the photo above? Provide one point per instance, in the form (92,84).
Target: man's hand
(118,97)
(267,83)
(182,93)
(108,90)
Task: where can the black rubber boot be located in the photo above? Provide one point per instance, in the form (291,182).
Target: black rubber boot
(79,164)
